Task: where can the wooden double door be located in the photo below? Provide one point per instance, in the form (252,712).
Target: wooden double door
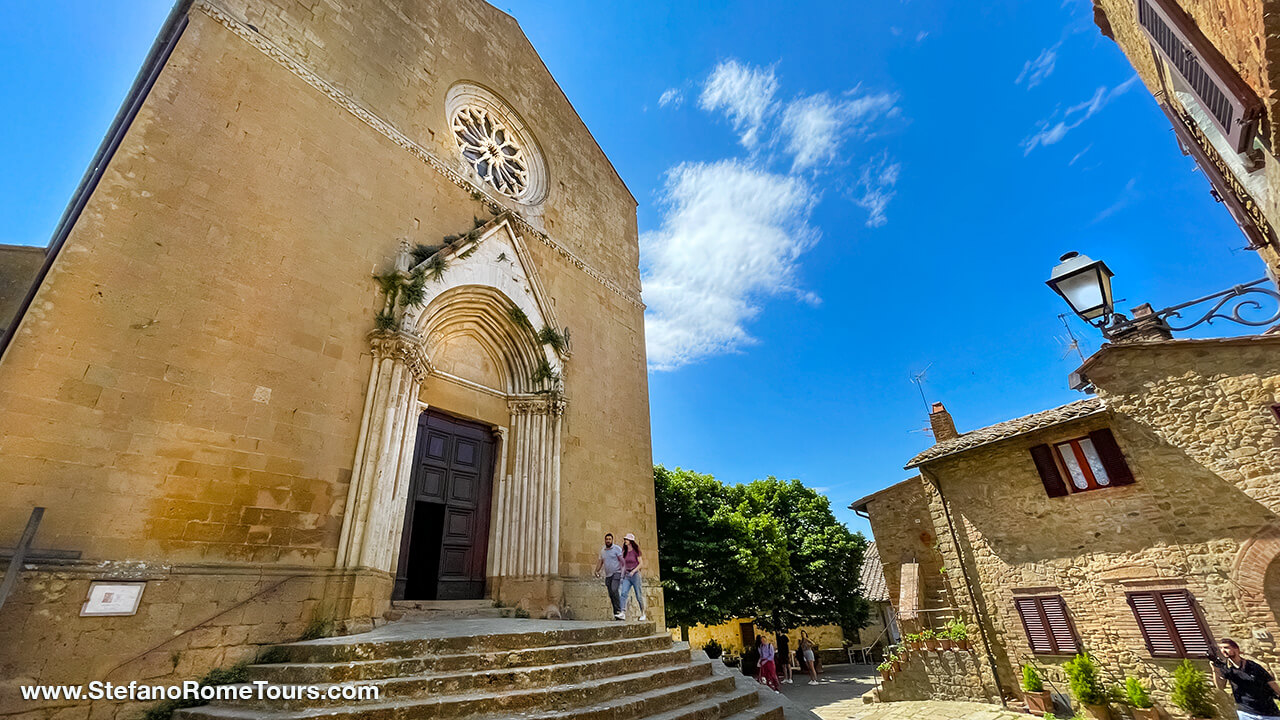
(445,543)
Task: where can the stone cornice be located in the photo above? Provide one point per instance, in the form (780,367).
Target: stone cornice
(403,347)
(307,75)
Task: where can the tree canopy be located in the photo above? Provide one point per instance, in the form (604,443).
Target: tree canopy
(770,549)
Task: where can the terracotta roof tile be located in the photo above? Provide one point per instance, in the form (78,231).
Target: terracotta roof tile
(1009,429)
(871,576)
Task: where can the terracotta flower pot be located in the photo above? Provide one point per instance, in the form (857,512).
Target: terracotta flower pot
(962,644)
(933,645)
(1145,714)
(897,666)
(1097,712)
(947,643)
(885,675)
(1039,703)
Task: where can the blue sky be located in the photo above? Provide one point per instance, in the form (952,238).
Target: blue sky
(831,201)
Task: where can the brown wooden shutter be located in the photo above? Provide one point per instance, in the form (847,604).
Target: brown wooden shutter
(1037,633)
(1112,459)
(1229,101)
(1049,475)
(1191,632)
(1171,623)
(1060,627)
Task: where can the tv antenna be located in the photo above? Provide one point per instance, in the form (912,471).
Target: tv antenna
(918,379)
(1075,342)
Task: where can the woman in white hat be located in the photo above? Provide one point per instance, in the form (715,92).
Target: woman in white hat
(632,561)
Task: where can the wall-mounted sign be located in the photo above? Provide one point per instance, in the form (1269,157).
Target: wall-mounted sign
(113,598)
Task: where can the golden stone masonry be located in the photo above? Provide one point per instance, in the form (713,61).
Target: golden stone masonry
(213,395)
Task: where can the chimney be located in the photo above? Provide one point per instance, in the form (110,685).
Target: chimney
(944,428)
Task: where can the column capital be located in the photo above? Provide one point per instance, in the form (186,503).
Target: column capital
(404,347)
(537,406)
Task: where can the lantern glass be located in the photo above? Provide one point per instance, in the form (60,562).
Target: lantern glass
(1085,284)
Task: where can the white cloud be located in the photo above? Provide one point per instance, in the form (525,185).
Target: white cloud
(1077,156)
(732,234)
(920,36)
(1127,196)
(671,96)
(815,126)
(875,188)
(1038,70)
(1056,127)
(744,94)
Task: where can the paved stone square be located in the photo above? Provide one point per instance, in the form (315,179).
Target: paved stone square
(838,696)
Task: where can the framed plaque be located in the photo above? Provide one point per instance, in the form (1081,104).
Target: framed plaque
(112,598)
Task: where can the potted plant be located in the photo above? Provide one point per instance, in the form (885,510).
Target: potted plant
(886,670)
(1191,691)
(1136,695)
(713,649)
(1037,698)
(896,661)
(1086,685)
(958,632)
(912,640)
(931,642)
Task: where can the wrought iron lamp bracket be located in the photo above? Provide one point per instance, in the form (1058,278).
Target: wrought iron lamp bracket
(1240,298)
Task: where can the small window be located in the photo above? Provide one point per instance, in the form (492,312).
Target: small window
(1171,623)
(1276,409)
(1081,464)
(1048,626)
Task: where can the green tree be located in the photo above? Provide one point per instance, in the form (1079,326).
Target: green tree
(824,558)
(770,549)
(705,548)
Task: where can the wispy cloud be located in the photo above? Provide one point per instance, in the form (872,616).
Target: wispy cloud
(875,188)
(1077,156)
(1037,71)
(672,96)
(1126,198)
(1058,125)
(744,94)
(815,127)
(732,234)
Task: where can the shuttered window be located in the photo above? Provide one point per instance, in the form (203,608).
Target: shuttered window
(1081,464)
(1232,104)
(1048,626)
(1170,623)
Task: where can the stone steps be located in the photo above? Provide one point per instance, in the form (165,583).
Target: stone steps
(439,609)
(348,649)
(302,673)
(498,669)
(512,679)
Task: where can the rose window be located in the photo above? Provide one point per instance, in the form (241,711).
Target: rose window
(492,149)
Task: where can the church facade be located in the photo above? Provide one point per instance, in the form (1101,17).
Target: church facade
(347,312)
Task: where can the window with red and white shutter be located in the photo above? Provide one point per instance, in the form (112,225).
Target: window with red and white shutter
(1171,623)
(1048,625)
(1081,464)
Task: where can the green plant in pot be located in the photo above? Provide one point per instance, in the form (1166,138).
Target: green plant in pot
(1038,699)
(886,670)
(1085,679)
(1192,692)
(1139,700)
(931,641)
(713,649)
(912,640)
(958,632)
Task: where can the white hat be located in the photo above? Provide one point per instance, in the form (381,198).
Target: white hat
(630,537)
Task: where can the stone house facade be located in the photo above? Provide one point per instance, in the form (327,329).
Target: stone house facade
(1214,68)
(1135,525)
(218,404)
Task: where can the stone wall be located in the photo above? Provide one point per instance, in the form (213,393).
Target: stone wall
(948,675)
(1194,421)
(18,267)
(729,635)
(904,532)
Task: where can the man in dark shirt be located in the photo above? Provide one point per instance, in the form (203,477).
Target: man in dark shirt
(1254,689)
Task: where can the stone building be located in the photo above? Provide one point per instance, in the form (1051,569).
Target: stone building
(1136,525)
(1214,68)
(881,630)
(222,409)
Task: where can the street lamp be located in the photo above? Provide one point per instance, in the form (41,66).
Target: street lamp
(1086,286)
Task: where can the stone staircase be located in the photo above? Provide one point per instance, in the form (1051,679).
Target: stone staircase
(441,609)
(491,668)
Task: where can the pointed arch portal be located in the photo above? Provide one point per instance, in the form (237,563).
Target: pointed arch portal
(482,315)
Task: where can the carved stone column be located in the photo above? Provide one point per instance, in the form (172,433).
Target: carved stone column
(374,514)
(528,505)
